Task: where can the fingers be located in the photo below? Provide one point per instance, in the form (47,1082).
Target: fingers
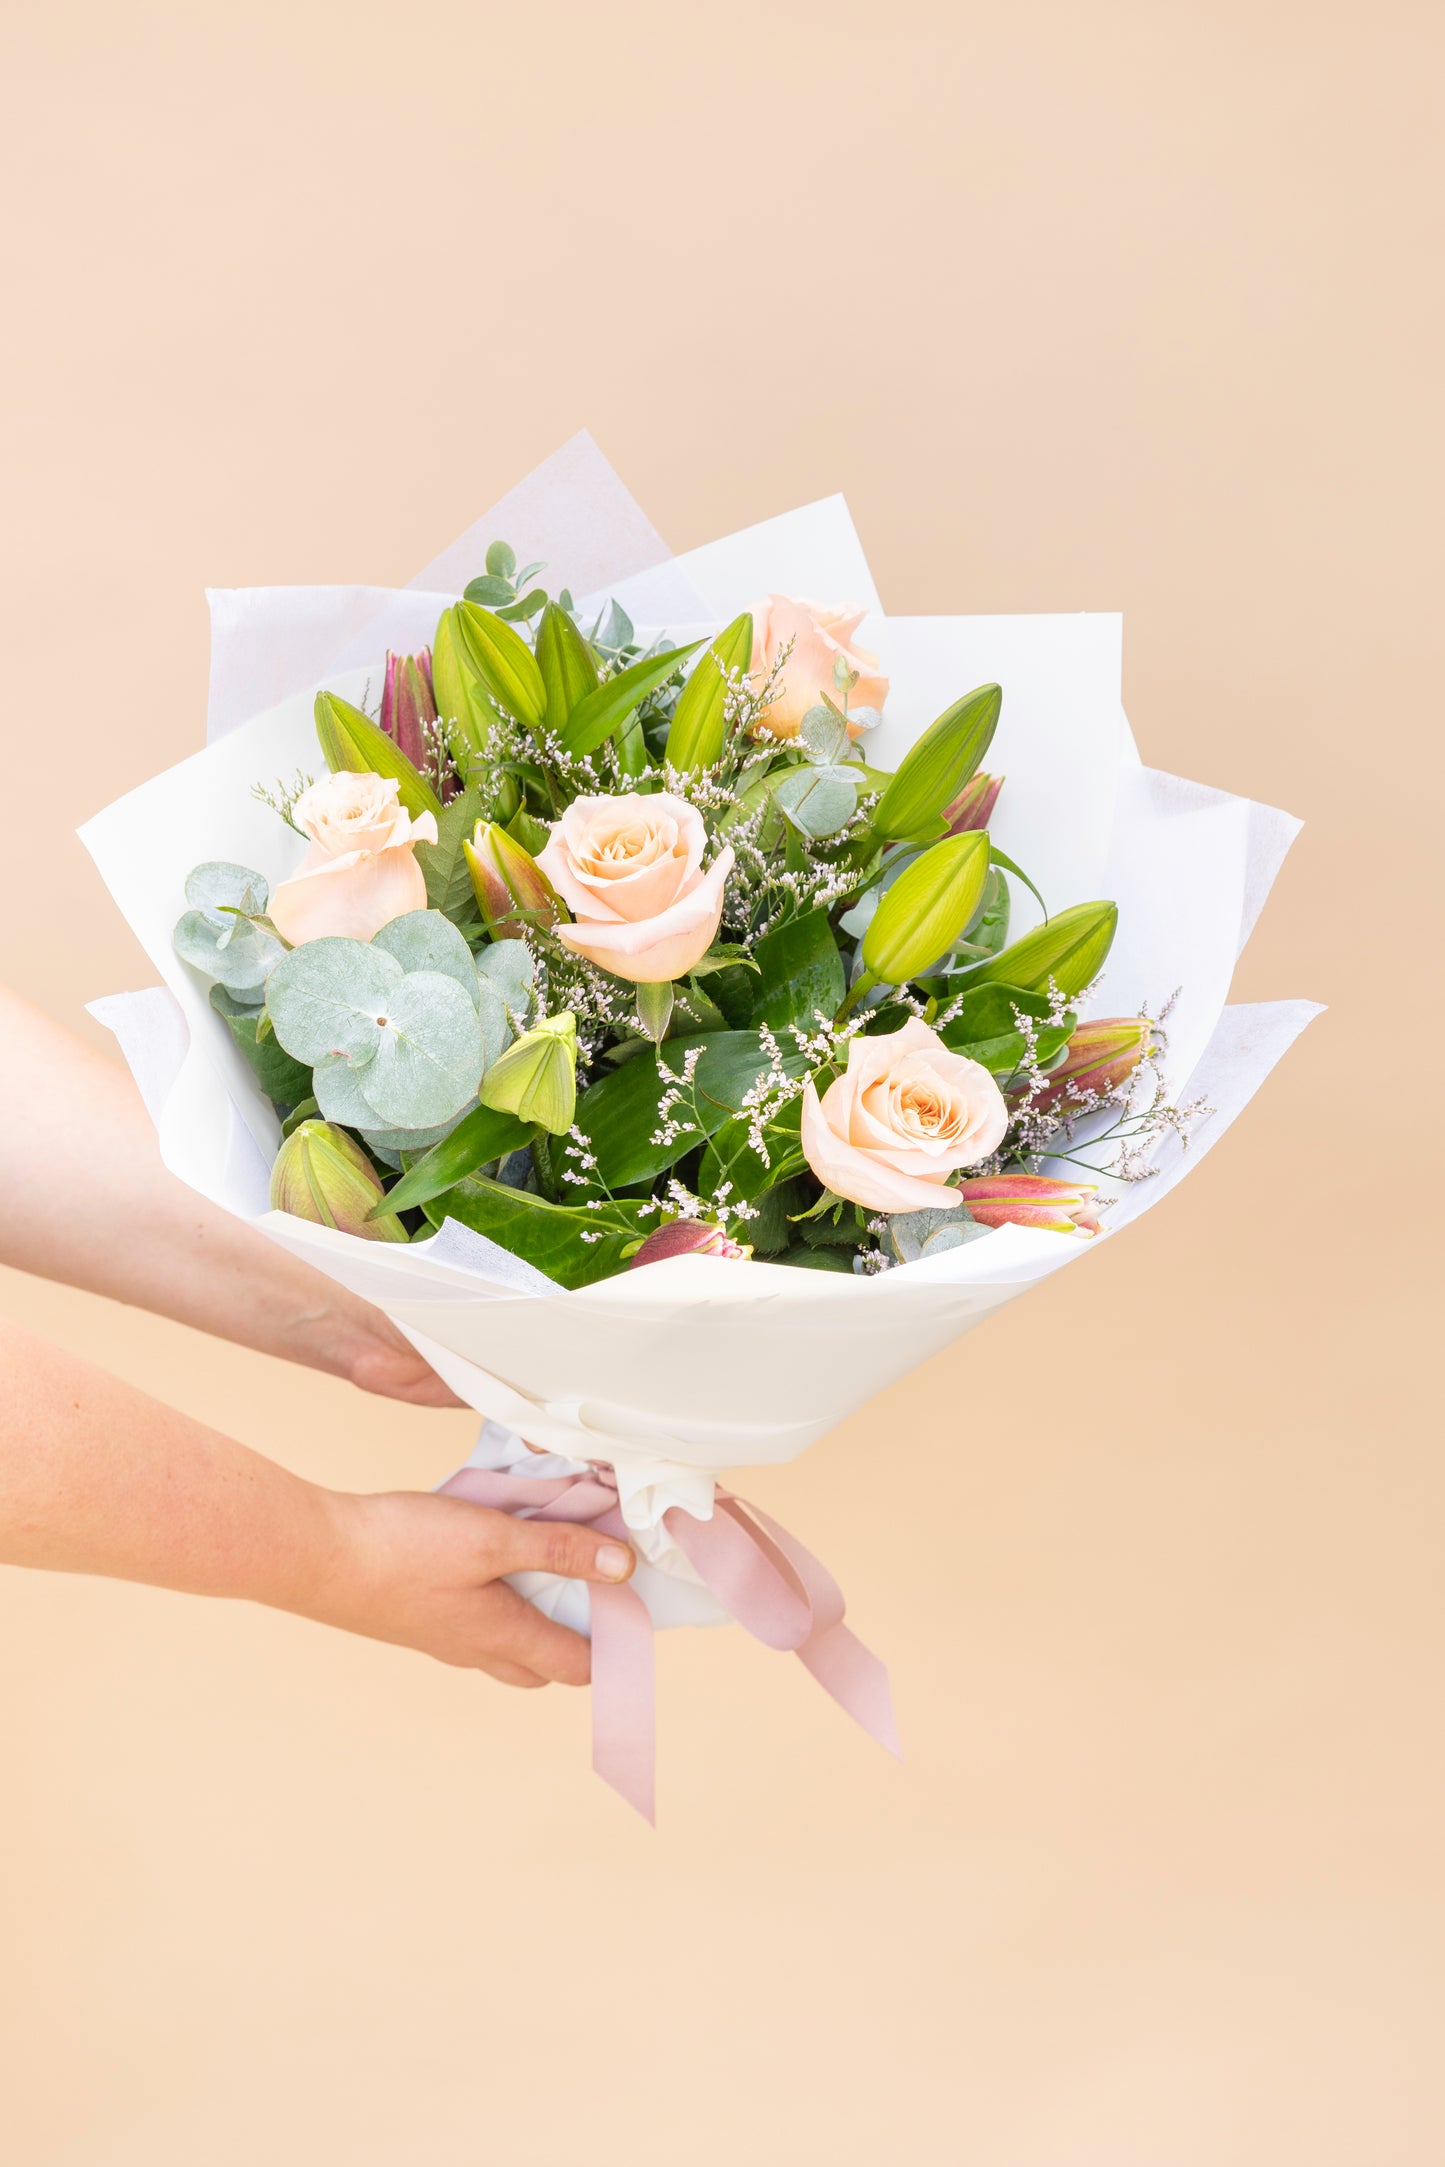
(519,1635)
(556,1546)
(510,1673)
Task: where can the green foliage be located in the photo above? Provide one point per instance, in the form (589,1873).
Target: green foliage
(443,863)
(621,1114)
(547,1235)
(604,709)
(986,1029)
(218,934)
(286,1082)
(818,800)
(477,1139)
(698,730)
(799,972)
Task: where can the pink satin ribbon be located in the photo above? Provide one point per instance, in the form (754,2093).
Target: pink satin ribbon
(763,1577)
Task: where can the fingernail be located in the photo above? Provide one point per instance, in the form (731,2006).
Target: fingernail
(613,1562)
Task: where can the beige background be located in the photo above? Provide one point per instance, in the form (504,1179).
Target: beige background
(1084,307)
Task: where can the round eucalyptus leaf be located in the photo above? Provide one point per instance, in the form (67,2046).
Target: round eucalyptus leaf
(928,1233)
(508,967)
(328,1000)
(819,800)
(219,885)
(423,940)
(429,1056)
(337,1086)
(413,1139)
(825,733)
(215,934)
(495,1019)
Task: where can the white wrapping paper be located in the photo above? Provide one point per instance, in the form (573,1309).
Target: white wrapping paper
(698,1364)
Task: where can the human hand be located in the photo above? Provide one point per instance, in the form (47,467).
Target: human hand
(425,1572)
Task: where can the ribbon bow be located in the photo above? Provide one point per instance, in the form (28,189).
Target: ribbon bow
(766,1580)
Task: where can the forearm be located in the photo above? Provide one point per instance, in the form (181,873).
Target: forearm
(88,1202)
(97,1478)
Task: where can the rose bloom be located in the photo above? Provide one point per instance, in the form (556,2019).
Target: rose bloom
(360,871)
(904,1114)
(629,869)
(819,636)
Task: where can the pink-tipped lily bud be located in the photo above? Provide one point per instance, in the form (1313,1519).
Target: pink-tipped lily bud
(322,1174)
(688,1238)
(973,807)
(513,894)
(1058,1207)
(407,703)
(1099,1060)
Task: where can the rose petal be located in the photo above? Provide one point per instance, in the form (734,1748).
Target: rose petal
(660,948)
(355,895)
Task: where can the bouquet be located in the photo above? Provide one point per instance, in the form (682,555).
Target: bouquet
(682,1008)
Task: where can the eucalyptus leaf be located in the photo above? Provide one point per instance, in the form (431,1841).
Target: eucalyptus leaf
(825,733)
(818,800)
(423,940)
(218,935)
(328,999)
(286,1082)
(430,1056)
(507,966)
(501,559)
(928,1233)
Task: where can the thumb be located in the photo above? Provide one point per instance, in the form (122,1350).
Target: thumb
(556,1546)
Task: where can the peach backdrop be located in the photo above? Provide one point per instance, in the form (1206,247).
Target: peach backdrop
(1124,306)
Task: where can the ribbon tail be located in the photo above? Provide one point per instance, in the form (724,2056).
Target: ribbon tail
(855,1679)
(624,1697)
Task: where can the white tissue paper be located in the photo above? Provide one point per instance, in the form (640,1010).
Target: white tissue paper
(698,1364)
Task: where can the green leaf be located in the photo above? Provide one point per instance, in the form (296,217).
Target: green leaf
(423,940)
(478,1138)
(730,1157)
(501,559)
(285,1081)
(997,857)
(488,591)
(567,664)
(604,709)
(325,998)
(800,971)
(504,662)
(352,744)
(988,928)
(443,863)
(698,730)
(986,1031)
(619,1114)
(219,935)
(548,1236)
(825,733)
(428,1062)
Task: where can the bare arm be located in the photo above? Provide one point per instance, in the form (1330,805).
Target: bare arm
(97,1478)
(87,1201)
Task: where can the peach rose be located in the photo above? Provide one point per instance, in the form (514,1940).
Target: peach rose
(360,871)
(890,1130)
(820,636)
(629,869)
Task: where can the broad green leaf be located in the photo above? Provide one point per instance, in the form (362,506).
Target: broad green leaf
(604,709)
(986,1030)
(698,729)
(619,1114)
(549,1236)
(567,664)
(507,966)
(504,662)
(478,1138)
(218,934)
(443,864)
(800,971)
(988,928)
(285,1081)
(352,744)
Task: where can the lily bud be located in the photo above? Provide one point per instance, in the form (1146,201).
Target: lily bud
(1100,1058)
(407,701)
(934,770)
(513,893)
(536,1078)
(687,1238)
(1068,948)
(973,807)
(920,917)
(1059,1207)
(464,705)
(323,1175)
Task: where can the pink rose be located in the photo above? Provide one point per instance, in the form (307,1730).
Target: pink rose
(629,869)
(360,872)
(904,1114)
(820,637)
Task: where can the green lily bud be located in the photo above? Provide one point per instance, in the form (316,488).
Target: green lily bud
(920,917)
(567,664)
(513,893)
(698,728)
(933,772)
(536,1078)
(351,744)
(464,705)
(323,1175)
(1069,949)
(504,662)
